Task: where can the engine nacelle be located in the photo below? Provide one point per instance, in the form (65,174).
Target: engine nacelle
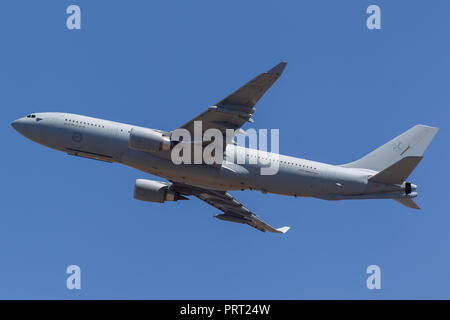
(148,140)
(155,191)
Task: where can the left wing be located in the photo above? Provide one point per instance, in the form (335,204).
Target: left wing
(236,109)
(232,209)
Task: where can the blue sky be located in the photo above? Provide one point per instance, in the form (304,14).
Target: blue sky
(345,91)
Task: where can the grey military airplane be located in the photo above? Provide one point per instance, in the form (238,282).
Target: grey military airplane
(381,174)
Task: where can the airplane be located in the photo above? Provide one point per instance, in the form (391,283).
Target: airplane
(381,174)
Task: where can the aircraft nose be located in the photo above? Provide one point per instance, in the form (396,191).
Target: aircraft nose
(20,125)
(16,124)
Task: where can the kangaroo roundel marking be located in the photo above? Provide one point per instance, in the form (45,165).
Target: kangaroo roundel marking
(77,137)
(397,146)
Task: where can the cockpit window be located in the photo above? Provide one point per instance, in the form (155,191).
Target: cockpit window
(31,116)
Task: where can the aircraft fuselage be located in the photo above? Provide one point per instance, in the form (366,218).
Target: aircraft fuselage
(109,141)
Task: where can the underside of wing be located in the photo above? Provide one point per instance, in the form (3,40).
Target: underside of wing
(233,210)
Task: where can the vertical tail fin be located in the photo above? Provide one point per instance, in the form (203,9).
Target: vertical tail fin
(411,143)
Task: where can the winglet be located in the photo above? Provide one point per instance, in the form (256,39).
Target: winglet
(278,69)
(283,229)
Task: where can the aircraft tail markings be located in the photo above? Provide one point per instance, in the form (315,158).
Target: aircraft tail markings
(411,143)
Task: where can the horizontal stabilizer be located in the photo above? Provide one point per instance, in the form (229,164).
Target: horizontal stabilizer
(408,202)
(398,172)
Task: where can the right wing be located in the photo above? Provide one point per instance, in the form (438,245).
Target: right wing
(233,210)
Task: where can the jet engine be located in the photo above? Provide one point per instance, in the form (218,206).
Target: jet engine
(148,140)
(410,187)
(155,191)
